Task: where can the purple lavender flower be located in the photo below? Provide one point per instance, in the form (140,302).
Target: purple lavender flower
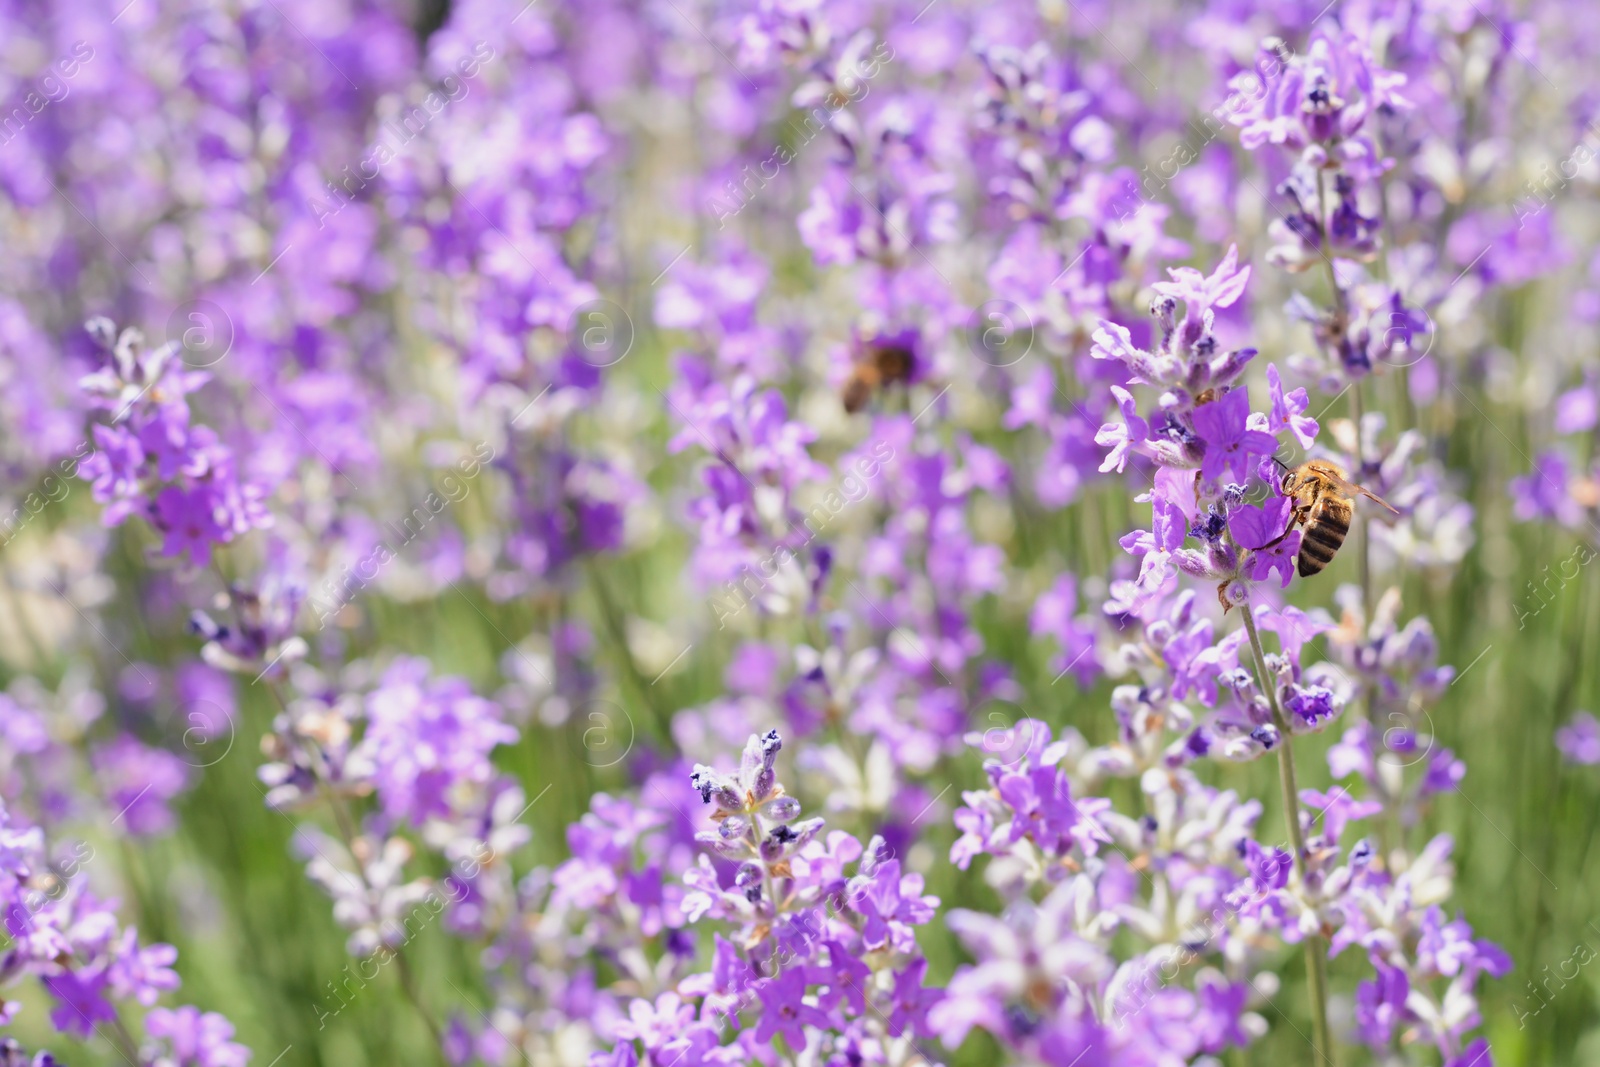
(189,519)
(12,1054)
(182,478)
(892,904)
(1230,443)
(141,781)
(113,470)
(1381,1004)
(192,1038)
(1318,102)
(1288,410)
(1201,292)
(1054,614)
(1543,493)
(1266,530)
(1046,813)
(1579,740)
(142,973)
(81,1002)
(785,1011)
(1133,431)
(1578,410)
(428,739)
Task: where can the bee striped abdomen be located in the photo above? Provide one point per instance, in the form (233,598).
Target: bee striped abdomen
(1324,533)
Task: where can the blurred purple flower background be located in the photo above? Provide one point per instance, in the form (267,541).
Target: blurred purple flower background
(798,532)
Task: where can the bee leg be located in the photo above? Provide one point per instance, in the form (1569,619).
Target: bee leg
(1298,518)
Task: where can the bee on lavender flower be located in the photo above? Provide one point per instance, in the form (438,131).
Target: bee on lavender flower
(1324,502)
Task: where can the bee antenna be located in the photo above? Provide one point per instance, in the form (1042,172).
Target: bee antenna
(1280,463)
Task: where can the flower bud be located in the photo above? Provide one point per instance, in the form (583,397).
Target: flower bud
(782,809)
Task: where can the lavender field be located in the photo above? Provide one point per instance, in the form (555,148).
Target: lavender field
(802,533)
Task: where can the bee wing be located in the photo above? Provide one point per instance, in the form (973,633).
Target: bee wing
(1339,482)
(1352,487)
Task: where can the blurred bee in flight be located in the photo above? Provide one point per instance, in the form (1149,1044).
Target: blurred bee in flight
(878,364)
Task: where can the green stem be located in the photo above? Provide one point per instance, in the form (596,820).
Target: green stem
(1316,965)
(124,1040)
(1327,246)
(1363,539)
(1363,531)
(408,983)
(611,615)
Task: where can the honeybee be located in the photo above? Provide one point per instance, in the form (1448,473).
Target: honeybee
(1324,501)
(882,363)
